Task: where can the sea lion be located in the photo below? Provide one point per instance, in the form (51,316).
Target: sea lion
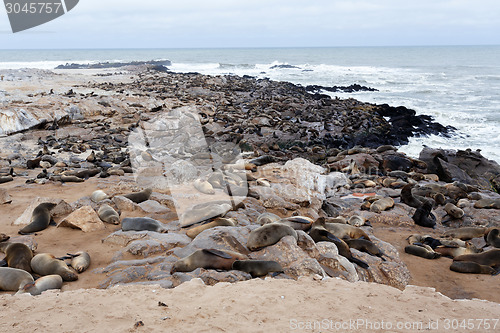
(46,264)
(42,284)
(266,218)
(13,279)
(492,238)
(320,234)
(269,234)
(342,231)
(98,195)
(423,215)
(453,252)
(208,259)
(203,186)
(40,219)
(466,233)
(408,198)
(488,258)
(297,222)
(80,261)
(471,267)
(108,214)
(218,222)
(381,205)
(139,197)
(143,223)
(257,268)
(364,245)
(422,251)
(453,211)
(18,255)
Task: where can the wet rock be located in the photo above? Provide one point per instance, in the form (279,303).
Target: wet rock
(85,219)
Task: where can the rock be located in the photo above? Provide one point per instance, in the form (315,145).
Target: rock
(336,265)
(166,240)
(85,219)
(270,199)
(29,241)
(292,258)
(5,198)
(62,208)
(127,275)
(153,207)
(211,277)
(124,204)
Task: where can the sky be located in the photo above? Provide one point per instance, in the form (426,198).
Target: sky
(261,23)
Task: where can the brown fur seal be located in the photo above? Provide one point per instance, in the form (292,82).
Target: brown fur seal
(454,252)
(40,219)
(381,205)
(139,197)
(47,264)
(453,211)
(364,245)
(13,279)
(257,268)
(71,179)
(408,198)
(266,218)
(143,223)
(42,284)
(488,258)
(98,195)
(342,231)
(297,222)
(80,261)
(108,214)
(492,238)
(269,234)
(208,259)
(422,251)
(423,215)
(320,234)
(358,221)
(197,214)
(218,222)
(466,233)
(472,268)
(18,255)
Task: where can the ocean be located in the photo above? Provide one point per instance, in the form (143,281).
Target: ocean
(457,85)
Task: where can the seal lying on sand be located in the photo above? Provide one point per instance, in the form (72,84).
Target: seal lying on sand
(40,219)
(13,279)
(42,284)
(17,255)
(472,268)
(47,264)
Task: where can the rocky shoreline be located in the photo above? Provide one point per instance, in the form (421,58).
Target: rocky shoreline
(305,155)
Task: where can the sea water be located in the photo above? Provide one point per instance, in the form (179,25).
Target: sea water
(457,85)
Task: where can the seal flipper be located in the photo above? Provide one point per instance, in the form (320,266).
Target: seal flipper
(360,263)
(217,253)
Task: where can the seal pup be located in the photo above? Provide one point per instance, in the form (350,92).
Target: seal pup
(208,259)
(269,234)
(98,195)
(80,261)
(492,238)
(423,215)
(466,233)
(13,279)
(320,234)
(381,205)
(42,284)
(218,222)
(453,211)
(17,255)
(139,197)
(46,264)
(108,215)
(488,258)
(40,219)
(257,268)
(422,251)
(143,223)
(364,245)
(472,268)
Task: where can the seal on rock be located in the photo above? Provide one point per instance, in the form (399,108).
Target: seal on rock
(98,195)
(453,211)
(46,264)
(257,268)
(297,222)
(13,279)
(269,234)
(143,223)
(42,284)
(208,259)
(342,231)
(40,219)
(492,238)
(364,245)
(17,255)
(408,198)
(108,215)
(381,205)
(218,222)
(266,218)
(139,197)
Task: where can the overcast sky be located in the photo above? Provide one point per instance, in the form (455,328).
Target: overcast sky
(262,23)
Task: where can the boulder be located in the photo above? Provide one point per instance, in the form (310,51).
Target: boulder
(85,219)
(5,198)
(62,208)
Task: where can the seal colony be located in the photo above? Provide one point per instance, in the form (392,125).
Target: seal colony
(321,177)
